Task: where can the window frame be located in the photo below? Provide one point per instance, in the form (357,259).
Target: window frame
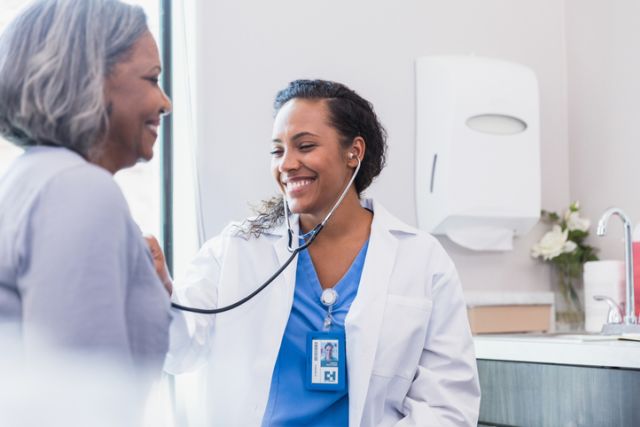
(166,146)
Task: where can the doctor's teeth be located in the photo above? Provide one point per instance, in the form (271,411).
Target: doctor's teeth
(297,184)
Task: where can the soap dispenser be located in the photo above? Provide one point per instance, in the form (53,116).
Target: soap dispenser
(477,150)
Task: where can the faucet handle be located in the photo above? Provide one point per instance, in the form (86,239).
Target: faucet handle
(615,311)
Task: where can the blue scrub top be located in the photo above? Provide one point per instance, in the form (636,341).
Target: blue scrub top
(290,403)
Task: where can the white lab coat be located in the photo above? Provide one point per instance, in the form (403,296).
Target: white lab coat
(410,356)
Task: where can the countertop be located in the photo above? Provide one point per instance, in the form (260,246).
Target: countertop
(564,349)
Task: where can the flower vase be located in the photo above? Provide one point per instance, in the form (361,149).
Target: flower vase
(568,292)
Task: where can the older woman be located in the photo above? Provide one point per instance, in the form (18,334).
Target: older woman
(79,91)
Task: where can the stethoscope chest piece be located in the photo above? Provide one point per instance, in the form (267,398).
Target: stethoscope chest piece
(329,297)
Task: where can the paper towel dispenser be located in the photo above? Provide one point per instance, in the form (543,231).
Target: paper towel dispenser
(477,150)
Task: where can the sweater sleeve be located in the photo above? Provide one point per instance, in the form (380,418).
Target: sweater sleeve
(73,276)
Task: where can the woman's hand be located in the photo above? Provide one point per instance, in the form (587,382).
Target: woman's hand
(159,262)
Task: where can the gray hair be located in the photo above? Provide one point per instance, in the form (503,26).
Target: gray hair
(54,58)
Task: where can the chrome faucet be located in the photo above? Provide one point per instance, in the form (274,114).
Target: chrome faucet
(614,317)
(630,316)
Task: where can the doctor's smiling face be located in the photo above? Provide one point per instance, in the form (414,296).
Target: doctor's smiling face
(309,162)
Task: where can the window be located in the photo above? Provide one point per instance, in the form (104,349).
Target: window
(188,229)
(141,184)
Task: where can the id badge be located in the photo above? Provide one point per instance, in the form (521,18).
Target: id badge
(326,360)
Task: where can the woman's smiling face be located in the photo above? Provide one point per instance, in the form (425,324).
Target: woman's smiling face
(136,102)
(309,162)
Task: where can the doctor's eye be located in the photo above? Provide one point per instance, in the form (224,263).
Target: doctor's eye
(307,146)
(277,152)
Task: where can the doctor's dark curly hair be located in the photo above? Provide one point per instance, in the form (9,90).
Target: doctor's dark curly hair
(352,116)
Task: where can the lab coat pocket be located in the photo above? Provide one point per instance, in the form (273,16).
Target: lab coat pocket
(402,336)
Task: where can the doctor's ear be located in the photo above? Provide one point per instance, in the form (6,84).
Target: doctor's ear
(356,152)
(352,159)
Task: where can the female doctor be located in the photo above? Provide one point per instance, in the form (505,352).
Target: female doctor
(384,295)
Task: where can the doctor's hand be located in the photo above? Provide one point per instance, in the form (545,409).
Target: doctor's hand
(159,262)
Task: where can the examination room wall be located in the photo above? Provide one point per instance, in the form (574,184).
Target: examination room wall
(603,45)
(249,50)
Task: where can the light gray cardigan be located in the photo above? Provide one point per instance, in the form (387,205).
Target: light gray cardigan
(74,268)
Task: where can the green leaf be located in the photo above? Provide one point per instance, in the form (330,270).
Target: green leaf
(573,207)
(578,235)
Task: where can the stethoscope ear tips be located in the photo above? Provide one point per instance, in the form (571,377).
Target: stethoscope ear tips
(353,156)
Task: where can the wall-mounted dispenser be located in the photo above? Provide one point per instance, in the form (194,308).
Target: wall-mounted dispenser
(477,150)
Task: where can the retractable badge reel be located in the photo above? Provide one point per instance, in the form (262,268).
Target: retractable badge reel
(326,355)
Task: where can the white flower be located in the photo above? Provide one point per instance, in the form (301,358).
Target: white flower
(569,246)
(553,244)
(575,222)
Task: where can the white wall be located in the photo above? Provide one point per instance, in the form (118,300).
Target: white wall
(251,49)
(603,40)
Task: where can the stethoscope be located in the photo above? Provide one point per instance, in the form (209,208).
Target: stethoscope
(308,239)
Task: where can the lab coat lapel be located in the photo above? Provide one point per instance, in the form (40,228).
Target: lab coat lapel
(283,254)
(364,320)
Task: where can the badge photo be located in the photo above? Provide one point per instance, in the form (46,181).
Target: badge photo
(325,361)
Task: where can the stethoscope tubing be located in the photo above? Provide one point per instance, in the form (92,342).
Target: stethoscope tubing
(243,300)
(238,303)
(294,251)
